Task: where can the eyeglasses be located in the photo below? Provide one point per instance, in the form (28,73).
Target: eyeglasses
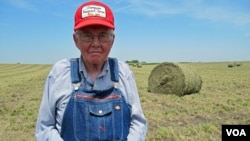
(103,37)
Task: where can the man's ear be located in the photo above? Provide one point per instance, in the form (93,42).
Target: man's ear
(75,38)
(113,40)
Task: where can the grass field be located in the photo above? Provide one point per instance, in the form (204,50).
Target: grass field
(223,99)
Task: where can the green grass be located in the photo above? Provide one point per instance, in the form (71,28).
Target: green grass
(20,91)
(223,99)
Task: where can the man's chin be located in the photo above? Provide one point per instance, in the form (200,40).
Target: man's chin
(96,60)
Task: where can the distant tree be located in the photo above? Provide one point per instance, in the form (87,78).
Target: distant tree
(132,61)
(135,61)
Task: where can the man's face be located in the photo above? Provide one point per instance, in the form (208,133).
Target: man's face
(94,43)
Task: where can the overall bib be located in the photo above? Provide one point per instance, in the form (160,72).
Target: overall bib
(96,115)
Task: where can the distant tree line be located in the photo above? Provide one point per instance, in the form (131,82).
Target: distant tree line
(132,62)
(234,64)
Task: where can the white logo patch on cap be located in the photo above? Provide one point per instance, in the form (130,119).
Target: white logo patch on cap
(93,10)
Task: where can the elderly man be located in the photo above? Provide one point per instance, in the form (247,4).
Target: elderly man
(93,97)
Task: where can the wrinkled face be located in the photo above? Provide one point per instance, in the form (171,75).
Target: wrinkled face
(94,43)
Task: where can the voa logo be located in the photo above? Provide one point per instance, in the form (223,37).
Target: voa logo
(236,132)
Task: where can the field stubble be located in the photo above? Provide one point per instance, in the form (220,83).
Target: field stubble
(223,99)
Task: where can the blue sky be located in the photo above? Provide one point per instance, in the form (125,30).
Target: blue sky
(40,31)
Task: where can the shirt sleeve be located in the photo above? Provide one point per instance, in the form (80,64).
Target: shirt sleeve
(138,127)
(56,94)
(45,125)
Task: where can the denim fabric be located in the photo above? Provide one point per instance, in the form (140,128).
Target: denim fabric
(96,115)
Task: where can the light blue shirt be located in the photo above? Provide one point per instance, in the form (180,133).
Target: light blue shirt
(57,91)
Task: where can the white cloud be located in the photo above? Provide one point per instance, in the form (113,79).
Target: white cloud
(216,11)
(23,4)
(148,8)
(221,14)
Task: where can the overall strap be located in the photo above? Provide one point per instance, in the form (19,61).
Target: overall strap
(74,68)
(114,70)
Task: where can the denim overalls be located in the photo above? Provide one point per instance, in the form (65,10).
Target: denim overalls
(96,115)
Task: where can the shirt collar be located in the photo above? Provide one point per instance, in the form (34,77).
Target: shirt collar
(83,70)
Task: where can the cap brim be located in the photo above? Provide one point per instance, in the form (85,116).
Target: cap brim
(93,22)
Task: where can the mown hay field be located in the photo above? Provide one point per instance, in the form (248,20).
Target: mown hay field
(223,99)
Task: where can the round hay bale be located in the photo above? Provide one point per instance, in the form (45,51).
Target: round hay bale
(174,78)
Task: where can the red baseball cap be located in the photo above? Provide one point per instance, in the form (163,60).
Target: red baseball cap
(93,13)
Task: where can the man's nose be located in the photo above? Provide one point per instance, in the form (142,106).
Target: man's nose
(95,38)
(95,41)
